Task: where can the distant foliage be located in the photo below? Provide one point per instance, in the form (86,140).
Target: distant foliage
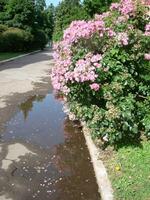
(2,5)
(15,39)
(49,21)
(19,14)
(96,6)
(27,18)
(39,40)
(103,69)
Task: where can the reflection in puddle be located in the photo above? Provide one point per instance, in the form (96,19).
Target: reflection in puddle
(40,123)
(27,106)
(59,166)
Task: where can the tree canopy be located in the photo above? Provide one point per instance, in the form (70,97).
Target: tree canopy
(96,6)
(28,15)
(30,22)
(19,13)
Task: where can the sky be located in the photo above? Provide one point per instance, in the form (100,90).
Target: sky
(54,2)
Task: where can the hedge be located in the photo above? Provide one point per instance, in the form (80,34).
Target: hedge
(15,39)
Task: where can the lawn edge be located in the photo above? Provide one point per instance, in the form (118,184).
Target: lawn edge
(104,184)
(20,56)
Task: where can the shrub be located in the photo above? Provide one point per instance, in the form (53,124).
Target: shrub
(103,69)
(14,39)
(3,28)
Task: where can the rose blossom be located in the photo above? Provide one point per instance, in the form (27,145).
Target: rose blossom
(147,30)
(147,56)
(95,86)
(123,38)
(114,6)
(127,7)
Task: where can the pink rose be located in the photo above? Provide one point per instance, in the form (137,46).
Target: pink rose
(147,30)
(123,38)
(147,56)
(95,86)
(114,6)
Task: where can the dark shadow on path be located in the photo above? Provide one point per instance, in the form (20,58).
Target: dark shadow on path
(30,59)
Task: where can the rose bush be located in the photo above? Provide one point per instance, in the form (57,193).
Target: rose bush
(103,70)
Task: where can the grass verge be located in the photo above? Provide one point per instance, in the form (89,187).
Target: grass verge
(129,172)
(8,55)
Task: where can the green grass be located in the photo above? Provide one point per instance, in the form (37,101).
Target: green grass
(129,171)
(7,55)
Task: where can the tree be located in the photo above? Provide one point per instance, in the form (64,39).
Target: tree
(2,10)
(96,6)
(2,5)
(49,21)
(40,6)
(20,13)
(66,12)
(29,16)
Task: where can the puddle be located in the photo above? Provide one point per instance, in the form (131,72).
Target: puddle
(51,161)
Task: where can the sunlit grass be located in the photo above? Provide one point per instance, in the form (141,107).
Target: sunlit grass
(7,55)
(129,171)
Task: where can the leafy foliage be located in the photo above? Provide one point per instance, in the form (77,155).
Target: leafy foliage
(96,6)
(20,14)
(14,39)
(2,5)
(31,17)
(49,21)
(40,39)
(3,28)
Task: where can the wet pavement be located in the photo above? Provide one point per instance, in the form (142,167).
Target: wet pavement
(43,155)
(23,75)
